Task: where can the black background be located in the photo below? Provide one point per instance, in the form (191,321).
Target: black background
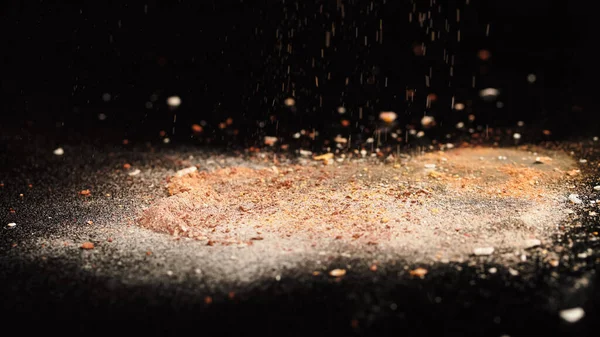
(60,57)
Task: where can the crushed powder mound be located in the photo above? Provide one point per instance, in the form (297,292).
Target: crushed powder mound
(469,199)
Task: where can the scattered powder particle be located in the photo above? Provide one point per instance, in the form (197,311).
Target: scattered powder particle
(388,116)
(87,245)
(324,157)
(493,270)
(531,243)
(483,251)
(574,198)
(197,128)
(59,151)
(597,188)
(12,224)
(186,171)
(542,160)
(572,315)
(85,192)
(337,272)
(134,172)
(419,272)
(270,141)
(174,101)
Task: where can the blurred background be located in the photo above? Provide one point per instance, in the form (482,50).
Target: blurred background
(103,70)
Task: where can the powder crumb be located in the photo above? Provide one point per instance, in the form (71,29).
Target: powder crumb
(572,315)
(337,272)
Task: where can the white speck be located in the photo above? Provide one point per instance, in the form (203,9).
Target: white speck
(489,93)
(595,139)
(449,145)
(483,251)
(12,224)
(460,125)
(502,158)
(531,78)
(582,255)
(186,171)
(492,270)
(305,153)
(170,273)
(513,272)
(106,97)
(517,136)
(174,101)
(430,166)
(420,134)
(135,172)
(592,213)
(530,243)
(583,161)
(297,135)
(574,198)
(520,123)
(278,278)
(597,188)
(341,110)
(198,271)
(572,315)
(363,152)
(166,140)
(59,151)
(101,117)
(370,140)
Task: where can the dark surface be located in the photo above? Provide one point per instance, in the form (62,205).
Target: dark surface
(57,295)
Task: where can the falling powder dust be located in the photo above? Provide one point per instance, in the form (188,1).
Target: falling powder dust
(441,206)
